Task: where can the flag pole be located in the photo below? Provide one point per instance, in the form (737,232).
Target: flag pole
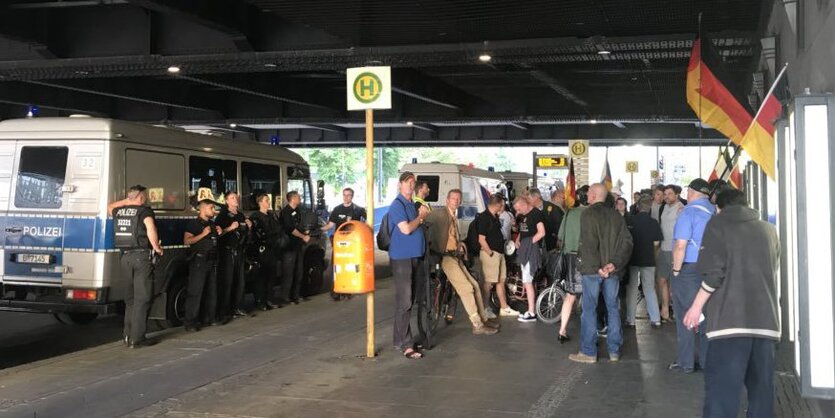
(700,94)
(738,147)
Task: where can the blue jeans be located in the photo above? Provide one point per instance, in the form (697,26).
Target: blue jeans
(685,287)
(588,320)
(736,362)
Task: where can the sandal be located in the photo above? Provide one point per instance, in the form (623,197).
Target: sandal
(411,353)
(418,347)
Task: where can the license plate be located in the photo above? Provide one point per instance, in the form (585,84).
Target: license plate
(33,258)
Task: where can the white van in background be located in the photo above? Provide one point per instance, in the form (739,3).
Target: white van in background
(476,185)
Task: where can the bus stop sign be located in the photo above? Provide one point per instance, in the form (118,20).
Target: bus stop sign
(369,88)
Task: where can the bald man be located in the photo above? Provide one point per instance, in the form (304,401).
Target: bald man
(605,248)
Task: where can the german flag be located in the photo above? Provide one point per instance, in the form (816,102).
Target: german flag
(758,141)
(710,98)
(570,191)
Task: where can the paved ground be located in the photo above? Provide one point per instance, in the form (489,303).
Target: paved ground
(306,361)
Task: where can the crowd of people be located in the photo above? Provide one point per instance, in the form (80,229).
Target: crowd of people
(679,254)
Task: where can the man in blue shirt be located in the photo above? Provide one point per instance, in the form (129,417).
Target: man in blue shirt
(406,253)
(687,238)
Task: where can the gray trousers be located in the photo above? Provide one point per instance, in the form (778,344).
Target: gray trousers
(406,274)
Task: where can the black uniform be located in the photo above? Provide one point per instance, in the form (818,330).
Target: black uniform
(137,268)
(291,259)
(202,274)
(265,234)
(231,262)
(342,214)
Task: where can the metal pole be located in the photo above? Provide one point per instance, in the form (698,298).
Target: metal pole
(632,185)
(369,180)
(535,173)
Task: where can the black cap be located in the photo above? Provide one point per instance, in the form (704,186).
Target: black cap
(700,185)
(137,188)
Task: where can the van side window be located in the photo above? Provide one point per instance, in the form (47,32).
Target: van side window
(470,190)
(434,183)
(40,177)
(165,181)
(256,179)
(211,174)
(298,179)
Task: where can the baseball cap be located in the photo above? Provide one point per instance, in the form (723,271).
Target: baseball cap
(700,185)
(406,176)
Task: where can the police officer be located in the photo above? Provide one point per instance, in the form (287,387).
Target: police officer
(267,233)
(202,234)
(231,283)
(291,258)
(137,238)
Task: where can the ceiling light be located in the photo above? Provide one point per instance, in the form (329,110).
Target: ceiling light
(409,123)
(173,69)
(485,57)
(593,121)
(233,125)
(603,52)
(270,65)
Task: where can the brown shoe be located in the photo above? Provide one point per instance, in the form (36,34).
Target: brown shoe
(582,358)
(483,330)
(493,323)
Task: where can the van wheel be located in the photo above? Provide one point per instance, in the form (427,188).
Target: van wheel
(175,304)
(75,318)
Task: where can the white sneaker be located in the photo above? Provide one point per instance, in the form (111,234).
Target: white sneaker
(488,314)
(526,317)
(508,312)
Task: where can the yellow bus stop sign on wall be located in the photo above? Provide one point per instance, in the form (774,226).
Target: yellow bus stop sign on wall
(368,88)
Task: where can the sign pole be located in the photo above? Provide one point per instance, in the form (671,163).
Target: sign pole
(369,182)
(632,185)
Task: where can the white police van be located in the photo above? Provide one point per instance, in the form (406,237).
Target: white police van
(57,176)
(476,187)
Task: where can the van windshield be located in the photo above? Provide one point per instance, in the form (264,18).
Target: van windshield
(40,177)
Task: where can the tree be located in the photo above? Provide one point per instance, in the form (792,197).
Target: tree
(336,166)
(391,166)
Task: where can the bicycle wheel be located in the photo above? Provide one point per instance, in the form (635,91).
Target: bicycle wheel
(429,310)
(450,303)
(549,305)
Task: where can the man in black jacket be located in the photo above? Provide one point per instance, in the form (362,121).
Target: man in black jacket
(738,264)
(291,258)
(605,248)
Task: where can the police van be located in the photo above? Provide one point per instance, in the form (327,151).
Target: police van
(476,187)
(57,176)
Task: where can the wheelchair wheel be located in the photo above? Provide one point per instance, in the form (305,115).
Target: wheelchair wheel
(549,305)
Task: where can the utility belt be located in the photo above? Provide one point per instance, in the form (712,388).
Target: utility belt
(204,256)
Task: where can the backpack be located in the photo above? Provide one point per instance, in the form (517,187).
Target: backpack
(384,235)
(471,241)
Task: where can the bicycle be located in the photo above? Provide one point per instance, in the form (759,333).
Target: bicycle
(438,301)
(517,297)
(549,302)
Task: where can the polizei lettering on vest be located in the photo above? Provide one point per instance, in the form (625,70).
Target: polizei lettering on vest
(42,231)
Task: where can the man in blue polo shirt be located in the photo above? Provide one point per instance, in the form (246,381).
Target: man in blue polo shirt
(687,238)
(406,252)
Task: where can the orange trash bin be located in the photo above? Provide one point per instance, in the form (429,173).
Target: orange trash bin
(353,258)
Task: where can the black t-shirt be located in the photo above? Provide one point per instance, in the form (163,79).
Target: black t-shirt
(290,219)
(553,219)
(142,232)
(527,225)
(645,231)
(342,214)
(232,239)
(209,243)
(489,226)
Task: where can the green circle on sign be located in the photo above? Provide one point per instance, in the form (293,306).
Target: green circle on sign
(367,87)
